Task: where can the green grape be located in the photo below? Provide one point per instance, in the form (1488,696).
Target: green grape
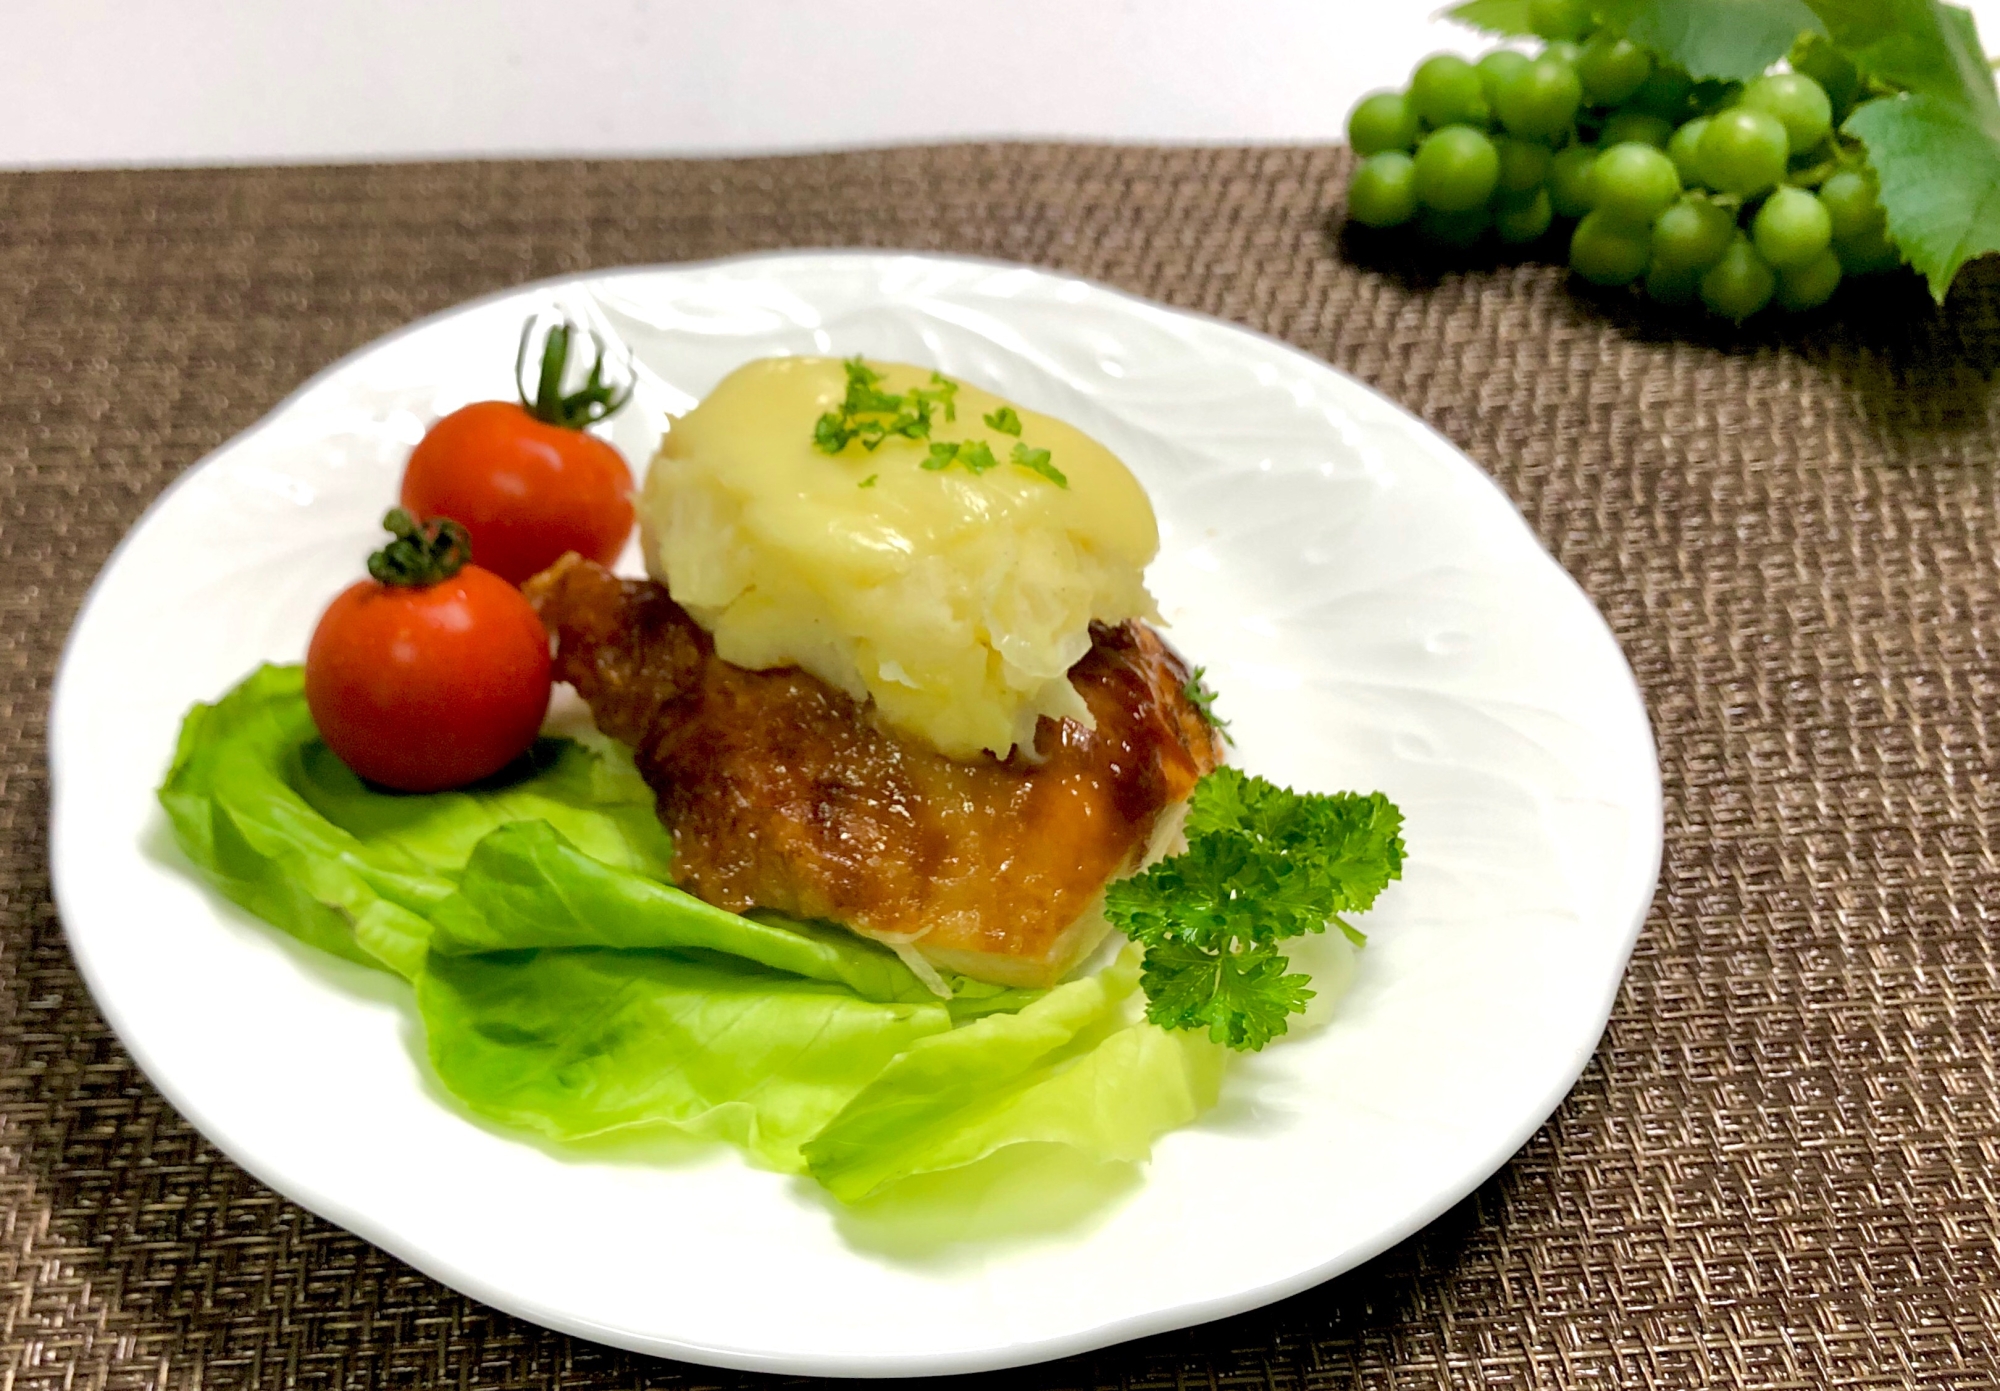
(1743,151)
(1791,228)
(1673,287)
(1816,57)
(1382,121)
(1691,236)
(1606,251)
(1524,164)
(1457,169)
(1810,285)
(1799,103)
(1570,181)
(1635,127)
(1612,69)
(1563,51)
(1458,231)
(1497,67)
(1685,149)
(1540,102)
(1864,254)
(1633,183)
(1567,20)
(1853,208)
(1383,191)
(1446,91)
(1523,217)
(1739,284)
(1665,93)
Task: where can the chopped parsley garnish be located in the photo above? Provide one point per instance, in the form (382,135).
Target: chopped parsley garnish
(974,454)
(942,393)
(871,415)
(869,481)
(1263,864)
(1203,700)
(1037,461)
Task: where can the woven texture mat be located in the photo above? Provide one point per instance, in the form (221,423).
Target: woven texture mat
(1780,1168)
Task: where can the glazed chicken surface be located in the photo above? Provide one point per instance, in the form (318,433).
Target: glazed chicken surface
(782,792)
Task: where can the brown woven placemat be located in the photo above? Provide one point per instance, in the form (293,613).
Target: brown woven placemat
(1780,1168)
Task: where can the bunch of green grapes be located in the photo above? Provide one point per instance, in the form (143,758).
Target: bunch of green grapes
(1738,195)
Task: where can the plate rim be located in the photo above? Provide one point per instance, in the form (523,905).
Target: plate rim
(1637,896)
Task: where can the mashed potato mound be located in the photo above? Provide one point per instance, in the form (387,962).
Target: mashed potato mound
(957,600)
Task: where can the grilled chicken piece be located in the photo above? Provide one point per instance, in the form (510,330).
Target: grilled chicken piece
(784,793)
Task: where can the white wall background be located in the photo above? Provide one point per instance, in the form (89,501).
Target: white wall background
(90,82)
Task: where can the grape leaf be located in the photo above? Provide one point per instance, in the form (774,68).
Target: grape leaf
(1494,16)
(1936,148)
(1733,40)
(1939,169)
(1961,20)
(1918,45)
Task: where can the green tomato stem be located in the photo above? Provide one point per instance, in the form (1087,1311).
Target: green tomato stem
(422,553)
(595,400)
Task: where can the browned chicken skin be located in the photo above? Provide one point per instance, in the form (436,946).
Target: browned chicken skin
(782,792)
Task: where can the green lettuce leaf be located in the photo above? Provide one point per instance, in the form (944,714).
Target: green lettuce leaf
(574,998)
(232,799)
(280,826)
(526,885)
(1067,1069)
(589,793)
(565,988)
(575,1043)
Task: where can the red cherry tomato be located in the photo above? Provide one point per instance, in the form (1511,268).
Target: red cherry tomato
(528,491)
(426,687)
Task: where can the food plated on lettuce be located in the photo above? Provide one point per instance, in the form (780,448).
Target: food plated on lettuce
(901,834)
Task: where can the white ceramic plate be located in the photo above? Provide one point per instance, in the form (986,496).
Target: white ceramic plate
(1375,615)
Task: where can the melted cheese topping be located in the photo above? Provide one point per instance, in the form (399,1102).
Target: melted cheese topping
(958,602)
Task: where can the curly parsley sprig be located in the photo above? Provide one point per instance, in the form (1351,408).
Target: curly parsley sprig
(1263,864)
